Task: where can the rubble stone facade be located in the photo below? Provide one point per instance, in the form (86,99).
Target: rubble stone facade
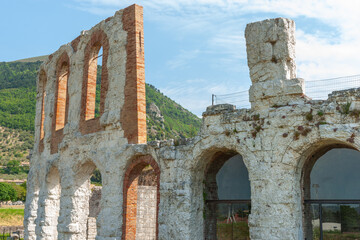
(276,138)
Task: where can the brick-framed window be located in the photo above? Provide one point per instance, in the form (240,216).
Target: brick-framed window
(61,104)
(88,121)
(42,86)
(141,179)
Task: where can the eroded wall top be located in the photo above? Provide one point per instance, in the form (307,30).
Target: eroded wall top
(270,46)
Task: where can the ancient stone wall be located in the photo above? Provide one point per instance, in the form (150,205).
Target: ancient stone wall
(276,138)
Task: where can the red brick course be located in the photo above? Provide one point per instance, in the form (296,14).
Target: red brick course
(133,113)
(130,194)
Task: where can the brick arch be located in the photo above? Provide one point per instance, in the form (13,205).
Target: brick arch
(309,156)
(42,91)
(134,170)
(88,122)
(61,103)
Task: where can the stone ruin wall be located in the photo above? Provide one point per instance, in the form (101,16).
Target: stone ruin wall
(276,138)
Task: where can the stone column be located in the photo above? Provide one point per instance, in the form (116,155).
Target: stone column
(270,46)
(31,207)
(73,208)
(109,219)
(275,208)
(49,204)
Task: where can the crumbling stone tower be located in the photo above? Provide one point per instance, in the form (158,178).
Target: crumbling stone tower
(158,190)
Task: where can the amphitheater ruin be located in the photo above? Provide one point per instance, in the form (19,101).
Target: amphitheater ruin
(163,190)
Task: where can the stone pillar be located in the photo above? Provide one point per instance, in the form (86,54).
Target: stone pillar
(275,208)
(49,205)
(270,46)
(31,207)
(74,207)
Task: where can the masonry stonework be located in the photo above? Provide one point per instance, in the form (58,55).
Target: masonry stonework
(276,139)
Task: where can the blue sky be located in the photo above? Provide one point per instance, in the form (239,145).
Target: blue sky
(193,48)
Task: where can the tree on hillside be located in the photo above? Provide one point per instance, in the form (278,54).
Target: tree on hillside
(12,167)
(20,192)
(7,192)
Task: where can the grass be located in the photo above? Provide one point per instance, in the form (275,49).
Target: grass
(11,217)
(21,176)
(335,235)
(240,231)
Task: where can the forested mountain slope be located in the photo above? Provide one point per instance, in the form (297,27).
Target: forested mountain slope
(165,118)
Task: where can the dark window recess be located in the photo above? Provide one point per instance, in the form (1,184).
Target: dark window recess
(227,198)
(332,204)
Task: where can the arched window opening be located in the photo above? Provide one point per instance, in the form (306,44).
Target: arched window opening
(89,183)
(227,197)
(141,200)
(94,83)
(98,83)
(331,183)
(52,205)
(42,81)
(61,101)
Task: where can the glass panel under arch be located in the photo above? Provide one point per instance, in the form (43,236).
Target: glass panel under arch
(335,175)
(233,180)
(334,205)
(228,211)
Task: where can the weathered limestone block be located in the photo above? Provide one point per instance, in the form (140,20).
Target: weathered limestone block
(270,46)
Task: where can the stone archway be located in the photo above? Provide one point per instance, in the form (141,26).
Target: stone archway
(328,187)
(226,197)
(141,199)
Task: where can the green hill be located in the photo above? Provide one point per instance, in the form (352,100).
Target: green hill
(165,118)
(33,59)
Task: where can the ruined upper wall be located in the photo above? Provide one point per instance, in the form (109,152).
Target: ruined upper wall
(67,84)
(270,46)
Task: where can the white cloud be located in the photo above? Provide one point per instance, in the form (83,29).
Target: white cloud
(331,50)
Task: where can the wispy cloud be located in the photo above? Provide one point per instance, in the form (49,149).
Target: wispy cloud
(329,50)
(182,59)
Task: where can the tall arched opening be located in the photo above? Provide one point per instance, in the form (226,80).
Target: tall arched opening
(227,197)
(141,199)
(331,193)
